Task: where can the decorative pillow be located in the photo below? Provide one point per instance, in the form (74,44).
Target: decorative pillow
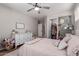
(72,44)
(67,38)
(55,42)
(62,45)
(75,50)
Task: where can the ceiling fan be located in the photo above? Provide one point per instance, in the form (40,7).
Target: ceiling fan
(36,7)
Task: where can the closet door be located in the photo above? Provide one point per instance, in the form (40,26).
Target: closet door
(39,30)
(65,26)
(54,28)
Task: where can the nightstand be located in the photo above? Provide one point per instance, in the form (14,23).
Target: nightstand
(1,47)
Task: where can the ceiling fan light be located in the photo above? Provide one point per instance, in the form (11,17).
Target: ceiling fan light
(36,9)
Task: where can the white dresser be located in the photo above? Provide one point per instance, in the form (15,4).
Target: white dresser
(21,38)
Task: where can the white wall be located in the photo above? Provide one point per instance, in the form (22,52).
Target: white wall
(53,16)
(76,13)
(8,19)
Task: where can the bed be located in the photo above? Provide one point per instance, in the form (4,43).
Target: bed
(39,47)
(69,46)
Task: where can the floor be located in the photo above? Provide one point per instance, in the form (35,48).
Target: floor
(3,52)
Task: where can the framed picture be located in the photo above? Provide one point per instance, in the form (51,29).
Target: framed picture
(20,26)
(61,20)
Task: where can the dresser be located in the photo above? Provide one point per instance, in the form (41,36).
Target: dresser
(21,38)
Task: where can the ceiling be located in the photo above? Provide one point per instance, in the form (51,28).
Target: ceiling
(54,8)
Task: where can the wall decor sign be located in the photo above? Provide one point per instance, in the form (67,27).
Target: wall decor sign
(20,26)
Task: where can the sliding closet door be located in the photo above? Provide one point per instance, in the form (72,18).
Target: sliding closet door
(65,26)
(61,26)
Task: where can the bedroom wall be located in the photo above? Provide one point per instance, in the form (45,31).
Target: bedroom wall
(76,14)
(8,19)
(53,16)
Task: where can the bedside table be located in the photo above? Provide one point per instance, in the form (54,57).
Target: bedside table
(1,47)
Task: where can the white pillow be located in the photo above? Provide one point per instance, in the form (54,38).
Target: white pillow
(67,38)
(55,42)
(72,44)
(62,45)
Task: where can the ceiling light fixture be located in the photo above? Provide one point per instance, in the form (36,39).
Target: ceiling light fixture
(36,8)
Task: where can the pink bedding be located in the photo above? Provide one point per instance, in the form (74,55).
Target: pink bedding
(38,47)
(44,47)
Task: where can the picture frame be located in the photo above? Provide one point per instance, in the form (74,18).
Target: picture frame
(20,26)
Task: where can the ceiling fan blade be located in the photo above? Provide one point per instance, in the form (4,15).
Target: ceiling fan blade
(31,4)
(30,9)
(46,7)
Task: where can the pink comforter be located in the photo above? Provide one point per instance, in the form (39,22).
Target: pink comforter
(40,47)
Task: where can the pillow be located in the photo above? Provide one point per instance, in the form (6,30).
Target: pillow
(72,45)
(55,42)
(75,50)
(62,45)
(67,38)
